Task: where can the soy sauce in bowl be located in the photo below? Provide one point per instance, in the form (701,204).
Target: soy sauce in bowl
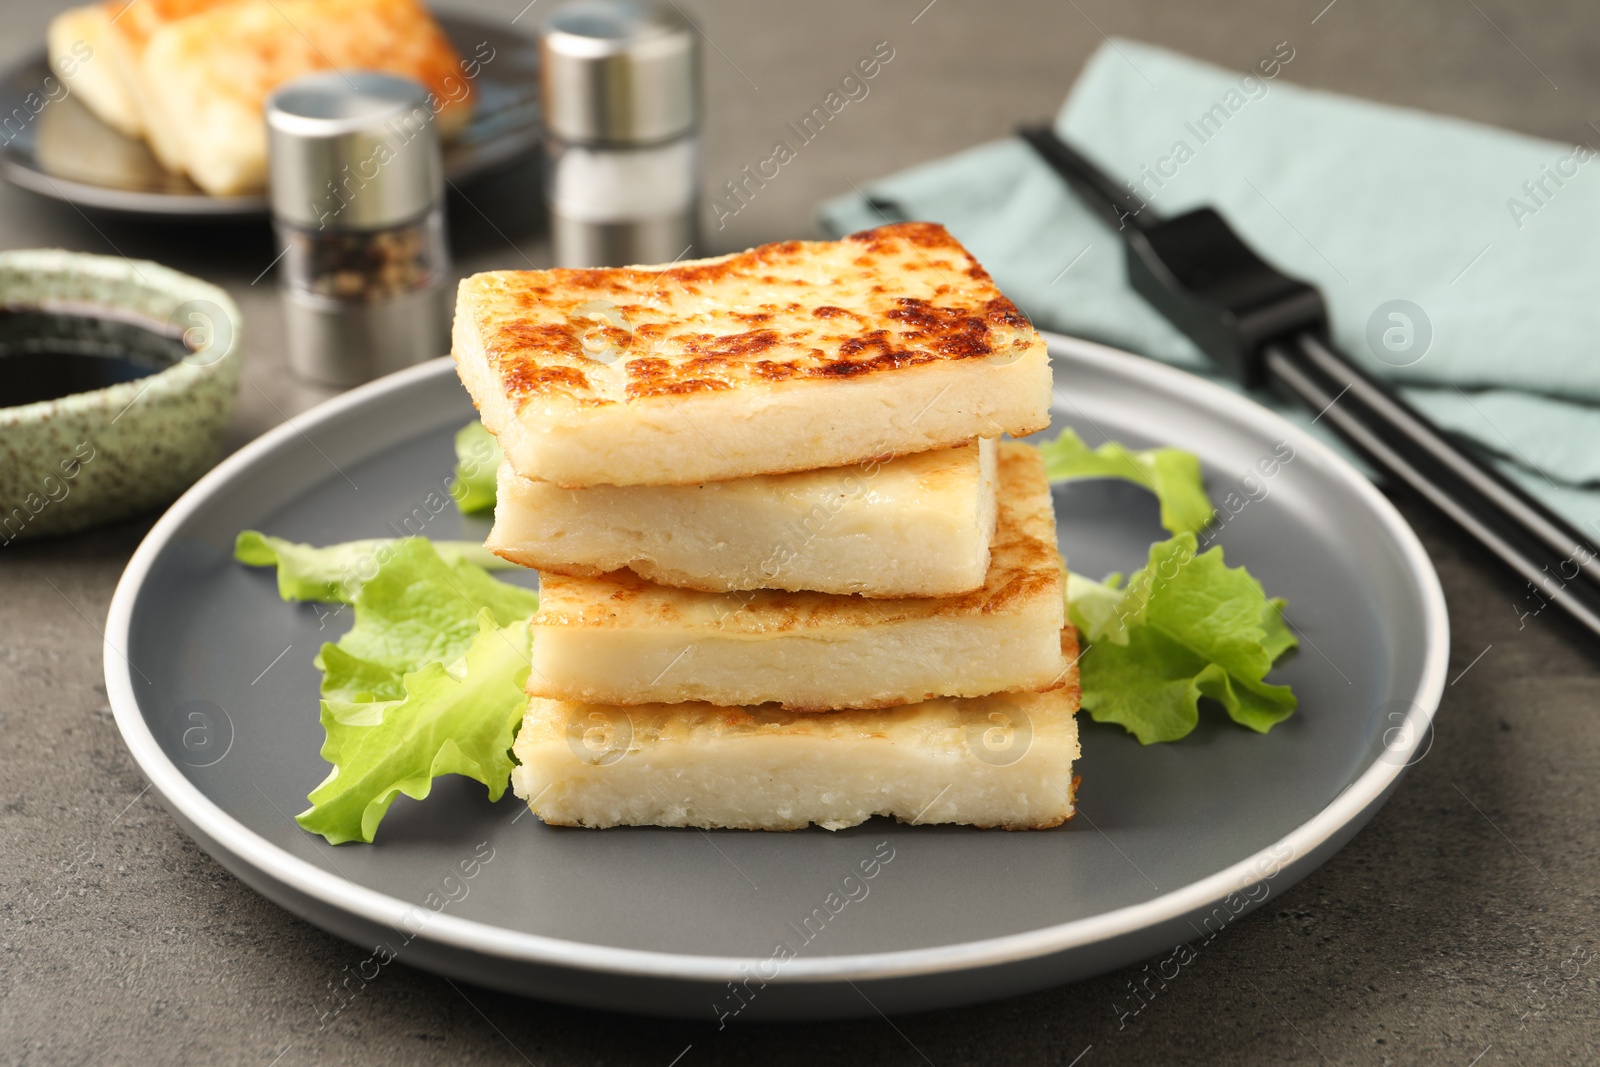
(48,353)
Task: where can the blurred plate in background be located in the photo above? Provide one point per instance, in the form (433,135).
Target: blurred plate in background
(65,153)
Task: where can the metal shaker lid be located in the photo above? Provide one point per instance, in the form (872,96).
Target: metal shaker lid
(619,71)
(354,150)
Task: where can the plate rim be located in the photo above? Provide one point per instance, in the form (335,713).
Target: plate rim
(485,939)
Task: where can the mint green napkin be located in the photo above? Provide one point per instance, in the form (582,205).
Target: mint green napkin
(1493,235)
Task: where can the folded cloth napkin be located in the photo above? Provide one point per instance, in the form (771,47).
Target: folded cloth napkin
(1488,236)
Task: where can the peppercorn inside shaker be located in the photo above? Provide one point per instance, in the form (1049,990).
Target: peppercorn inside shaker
(357,202)
(620,83)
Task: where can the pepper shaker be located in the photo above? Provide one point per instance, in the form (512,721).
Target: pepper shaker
(621,96)
(357,192)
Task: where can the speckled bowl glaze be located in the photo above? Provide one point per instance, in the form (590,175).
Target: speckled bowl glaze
(92,457)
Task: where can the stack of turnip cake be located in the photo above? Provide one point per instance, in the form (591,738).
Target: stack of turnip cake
(789,572)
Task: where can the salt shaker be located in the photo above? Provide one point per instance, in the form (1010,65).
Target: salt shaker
(357,201)
(621,95)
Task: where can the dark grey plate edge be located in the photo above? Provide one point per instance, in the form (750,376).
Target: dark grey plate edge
(503,152)
(604,976)
(125,202)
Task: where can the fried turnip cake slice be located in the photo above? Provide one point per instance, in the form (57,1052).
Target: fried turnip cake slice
(203,80)
(917,525)
(1003,760)
(787,357)
(99,51)
(618,639)
(82,43)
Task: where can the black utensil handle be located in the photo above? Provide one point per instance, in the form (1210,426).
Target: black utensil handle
(1559,564)
(1118,206)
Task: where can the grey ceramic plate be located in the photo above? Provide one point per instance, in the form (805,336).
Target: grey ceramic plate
(211,681)
(62,151)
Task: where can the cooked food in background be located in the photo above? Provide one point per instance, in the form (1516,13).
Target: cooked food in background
(129,28)
(1003,760)
(917,525)
(192,76)
(618,639)
(791,356)
(86,51)
(72,143)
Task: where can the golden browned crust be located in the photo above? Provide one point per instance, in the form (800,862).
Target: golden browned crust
(253,46)
(1025,564)
(1069,677)
(137,20)
(897,297)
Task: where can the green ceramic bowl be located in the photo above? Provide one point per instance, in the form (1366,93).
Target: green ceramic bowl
(91,457)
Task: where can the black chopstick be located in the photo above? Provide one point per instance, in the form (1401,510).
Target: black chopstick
(1267,329)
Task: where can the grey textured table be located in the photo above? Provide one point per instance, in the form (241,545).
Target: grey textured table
(1460,928)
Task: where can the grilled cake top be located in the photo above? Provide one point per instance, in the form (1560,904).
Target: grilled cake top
(900,296)
(138,20)
(245,49)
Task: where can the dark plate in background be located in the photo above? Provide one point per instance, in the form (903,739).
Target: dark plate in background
(65,153)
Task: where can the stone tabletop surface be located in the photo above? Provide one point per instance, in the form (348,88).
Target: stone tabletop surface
(1461,927)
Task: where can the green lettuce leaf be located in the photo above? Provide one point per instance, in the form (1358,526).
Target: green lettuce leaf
(1279,638)
(456,719)
(348,677)
(419,608)
(1172,474)
(428,681)
(335,574)
(1184,626)
(477,460)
